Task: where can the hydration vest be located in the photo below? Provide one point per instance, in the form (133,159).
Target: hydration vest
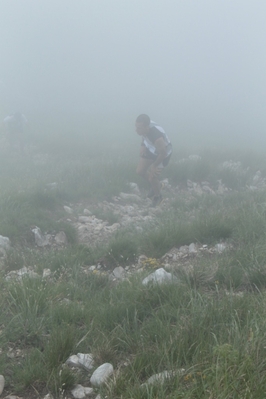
(151,147)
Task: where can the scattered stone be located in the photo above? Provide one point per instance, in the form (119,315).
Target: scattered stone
(19,274)
(46,273)
(2,384)
(119,272)
(73,361)
(160,276)
(221,190)
(231,165)
(113,227)
(2,253)
(40,239)
(166,185)
(87,212)
(130,197)
(207,189)
(220,247)
(192,248)
(80,392)
(101,374)
(68,210)
(134,188)
(85,219)
(85,360)
(184,249)
(4,242)
(61,238)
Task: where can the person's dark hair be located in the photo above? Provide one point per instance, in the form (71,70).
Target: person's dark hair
(143,118)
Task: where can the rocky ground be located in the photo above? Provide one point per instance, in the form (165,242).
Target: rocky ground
(134,211)
(96,225)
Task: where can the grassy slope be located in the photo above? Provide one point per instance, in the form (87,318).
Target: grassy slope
(212,323)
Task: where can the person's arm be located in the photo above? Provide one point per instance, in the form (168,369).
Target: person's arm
(142,148)
(161,149)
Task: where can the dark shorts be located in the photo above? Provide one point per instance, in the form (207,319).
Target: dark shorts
(150,155)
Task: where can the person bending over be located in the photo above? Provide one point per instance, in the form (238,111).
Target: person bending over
(15,125)
(155,153)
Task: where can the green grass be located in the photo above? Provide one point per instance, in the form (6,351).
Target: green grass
(211,323)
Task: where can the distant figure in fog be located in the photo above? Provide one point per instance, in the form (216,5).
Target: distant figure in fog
(155,153)
(14,129)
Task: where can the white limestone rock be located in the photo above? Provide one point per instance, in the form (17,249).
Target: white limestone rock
(4,242)
(46,273)
(130,197)
(192,249)
(87,212)
(19,274)
(68,210)
(119,272)
(207,189)
(134,188)
(101,374)
(40,239)
(220,247)
(160,276)
(61,238)
(114,227)
(80,392)
(73,361)
(85,219)
(86,360)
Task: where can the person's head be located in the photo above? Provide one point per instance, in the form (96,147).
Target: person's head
(17,116)
(142,124)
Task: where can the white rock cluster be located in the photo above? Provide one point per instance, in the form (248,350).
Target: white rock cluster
(160,276)
(84,360)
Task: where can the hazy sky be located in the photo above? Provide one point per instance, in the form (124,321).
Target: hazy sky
(195,66)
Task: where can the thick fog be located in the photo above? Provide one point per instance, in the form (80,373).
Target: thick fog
(196,67)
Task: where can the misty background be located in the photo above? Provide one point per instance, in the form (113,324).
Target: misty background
(196,67)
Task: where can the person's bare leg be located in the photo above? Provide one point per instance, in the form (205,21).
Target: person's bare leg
(143,171)
(143,166)
(155,183)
